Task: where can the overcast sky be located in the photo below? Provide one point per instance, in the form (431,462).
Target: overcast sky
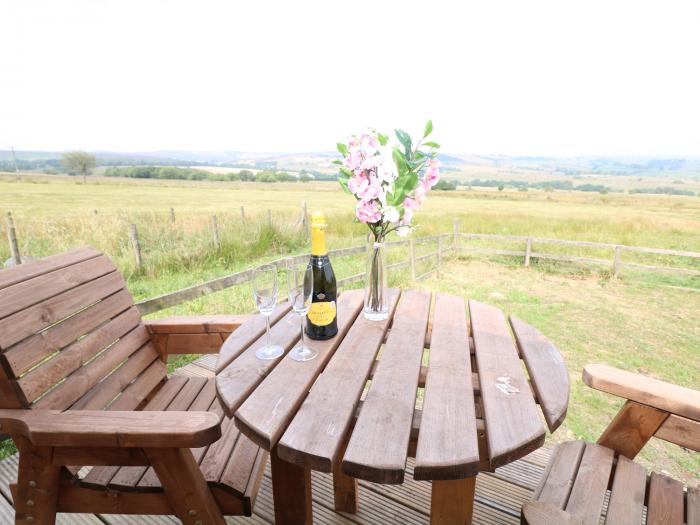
(514,77)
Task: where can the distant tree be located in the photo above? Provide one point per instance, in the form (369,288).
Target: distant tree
(246,175)
(500,187)
(304,177)
(446,185)
(79,163)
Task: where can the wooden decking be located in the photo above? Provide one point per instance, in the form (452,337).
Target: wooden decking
(498,495)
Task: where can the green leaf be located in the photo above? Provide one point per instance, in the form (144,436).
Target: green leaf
(338,162)
(431,144)
(346,172)
(342,148)
(344,184)
(399,159)
(383,139)
(428,128)
(404,139)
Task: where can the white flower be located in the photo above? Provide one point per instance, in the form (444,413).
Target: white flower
(391,214)
(403,231)
(386,168)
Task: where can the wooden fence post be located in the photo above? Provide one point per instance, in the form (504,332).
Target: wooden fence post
(12,237)
(269,217)
(412,256)
(616,261)
(243,214)
(304,217)
(136,245)
(172,215)
(528,251)
(439,255)
(215,232)
(455,235)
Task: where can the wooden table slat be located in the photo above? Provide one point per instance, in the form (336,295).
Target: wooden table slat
(316,433)
(550,378)
(264,416)
(447,442)
(513,425)
(378,447)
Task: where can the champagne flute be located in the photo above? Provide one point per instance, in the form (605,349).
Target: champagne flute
(300,281)
(265,295)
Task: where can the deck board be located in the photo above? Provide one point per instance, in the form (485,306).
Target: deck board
(499,495)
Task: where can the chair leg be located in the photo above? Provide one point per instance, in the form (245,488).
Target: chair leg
(37,485)
(452,502)
(185,486)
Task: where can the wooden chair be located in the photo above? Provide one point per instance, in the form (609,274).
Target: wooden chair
(83,382)
(579,475)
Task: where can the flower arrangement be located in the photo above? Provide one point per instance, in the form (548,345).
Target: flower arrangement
(389,181)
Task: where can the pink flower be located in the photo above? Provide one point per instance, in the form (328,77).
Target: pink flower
(358,183)
(410,204)
(434,163)
(407,215)
(368,211)
(371,191)
(421,189)
(432,176)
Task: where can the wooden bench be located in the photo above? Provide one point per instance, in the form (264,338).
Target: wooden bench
(579,475)
(83,382)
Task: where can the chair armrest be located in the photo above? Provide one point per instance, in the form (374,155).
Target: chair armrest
(645,390)
(103,428)
(203,334)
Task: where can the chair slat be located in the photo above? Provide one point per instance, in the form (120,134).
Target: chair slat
(513,425)
(378,447)
(240,466)
(556,483)
(588,493)
(33,269)
(627,497)
(137,392)
(22,295)
(24,355)
(550,378)
(22,324)
(693,506)
(216,458)
(447,443)
(315,434)
(82,380)
(53,370)
(665,505)
(265,414)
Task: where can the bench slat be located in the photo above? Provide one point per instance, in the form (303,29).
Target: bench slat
(665,505)
(33,269)
(557,481)
(588,493)
(627,498)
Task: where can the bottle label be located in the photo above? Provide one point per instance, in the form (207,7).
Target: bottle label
(322,313)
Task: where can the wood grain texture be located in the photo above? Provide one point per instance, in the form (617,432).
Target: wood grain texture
(378,447)
(665,503)
(265,414)
(315,436)
(626,504)
(194,324)
(452,501)
(555,485)
(36,504)
(681,431)
(633,426)
(548,373)
(645,390)
(291,488)
(447,442)
(513,426)
(32,269)
(97,428)
(539,513)
(588,493)
(693,506)
(247,334)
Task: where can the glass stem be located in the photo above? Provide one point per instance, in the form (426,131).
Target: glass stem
(303,342)
(267,321)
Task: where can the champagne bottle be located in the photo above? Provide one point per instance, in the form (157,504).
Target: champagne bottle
(322,319)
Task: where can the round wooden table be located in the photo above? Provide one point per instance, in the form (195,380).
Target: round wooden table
(431,382)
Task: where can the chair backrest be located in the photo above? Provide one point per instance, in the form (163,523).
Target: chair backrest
(71,337)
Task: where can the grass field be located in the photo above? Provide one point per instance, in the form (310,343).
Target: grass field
(641,322)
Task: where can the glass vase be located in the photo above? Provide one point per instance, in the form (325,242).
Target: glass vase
(376,301)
